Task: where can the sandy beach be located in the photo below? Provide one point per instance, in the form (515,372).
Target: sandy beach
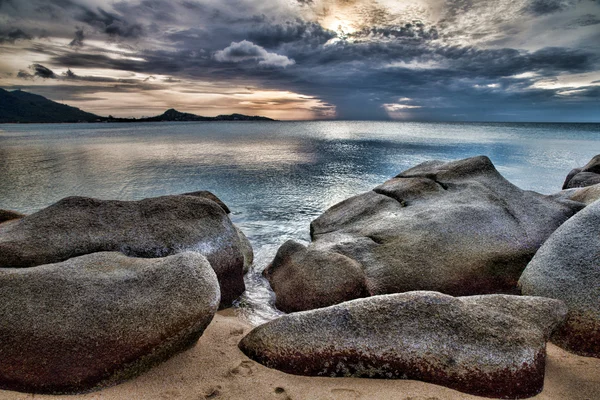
(216,369)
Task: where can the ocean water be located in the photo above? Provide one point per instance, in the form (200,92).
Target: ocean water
(276,176)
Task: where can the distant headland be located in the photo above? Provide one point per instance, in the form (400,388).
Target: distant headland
(22,107)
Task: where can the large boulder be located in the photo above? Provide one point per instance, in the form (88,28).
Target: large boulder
(567,267)
(98,319)
(587,175)
(455,227)
(154,227)
(484,345)
(337,279)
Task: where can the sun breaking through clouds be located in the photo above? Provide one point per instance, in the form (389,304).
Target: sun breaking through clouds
(493,60)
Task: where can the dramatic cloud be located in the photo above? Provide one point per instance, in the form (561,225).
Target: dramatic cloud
(353,59)
(78,40)
(13,35)
(245,50)
(41,71)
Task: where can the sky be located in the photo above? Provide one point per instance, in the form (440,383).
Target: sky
(424,60)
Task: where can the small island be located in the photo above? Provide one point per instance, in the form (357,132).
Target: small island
(23,107)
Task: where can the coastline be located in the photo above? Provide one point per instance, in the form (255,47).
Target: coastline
(216,369)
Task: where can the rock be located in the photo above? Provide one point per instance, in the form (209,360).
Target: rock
(490,346)
(584,179)
(333,279)
(458,227)
(246,248)
(205,194)
(8,215)
(245,245)
(96,320)
(567,267)
(586,195)
(586,176)
(154,227)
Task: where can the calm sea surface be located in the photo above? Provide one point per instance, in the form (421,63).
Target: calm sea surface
(276,177)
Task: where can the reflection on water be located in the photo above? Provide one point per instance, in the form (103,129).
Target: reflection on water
(275,177)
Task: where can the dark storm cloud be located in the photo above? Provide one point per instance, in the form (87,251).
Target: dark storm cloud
(410,30)
(42,72)
(441,65)
(541,7)
(13,35)
(87,60)
(110,23)
(22,74)
(78,39)
(272,35)
(506,62)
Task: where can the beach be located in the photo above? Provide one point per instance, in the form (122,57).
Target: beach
(216,369)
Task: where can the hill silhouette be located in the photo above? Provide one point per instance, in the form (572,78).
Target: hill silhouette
(22,107)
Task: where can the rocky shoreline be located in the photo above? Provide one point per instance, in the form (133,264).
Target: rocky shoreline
(418,279)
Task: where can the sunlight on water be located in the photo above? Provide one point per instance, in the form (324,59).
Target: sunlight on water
(275,177)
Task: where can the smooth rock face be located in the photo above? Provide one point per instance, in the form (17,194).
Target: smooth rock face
(8,215)
(98,319)
(459,228)
(567,267)
(588,175)
(484,345)
(154,227)
(337,279)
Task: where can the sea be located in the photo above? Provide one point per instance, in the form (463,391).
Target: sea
(276,177)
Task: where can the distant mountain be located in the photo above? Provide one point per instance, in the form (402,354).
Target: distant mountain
(22,107)
(174,115)
(19,106)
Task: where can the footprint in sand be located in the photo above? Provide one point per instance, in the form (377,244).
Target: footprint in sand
(282,393)
(245,368)
(345,394)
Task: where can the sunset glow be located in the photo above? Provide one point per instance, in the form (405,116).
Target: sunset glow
(298,59)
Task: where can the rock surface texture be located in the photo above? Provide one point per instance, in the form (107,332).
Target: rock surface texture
(587,175)
(154,227)
(586,195)
(8,215)
(567,267)
(98,319)
(455,227)
(484,345)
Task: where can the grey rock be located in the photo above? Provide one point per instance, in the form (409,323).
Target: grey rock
(246,248)
(584,179)
(333,279)
(587,175)
(567,267)
(154,227)
(586,195)
(96,320)
(205,194)
(458,227)
(9,215)
(490,346)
